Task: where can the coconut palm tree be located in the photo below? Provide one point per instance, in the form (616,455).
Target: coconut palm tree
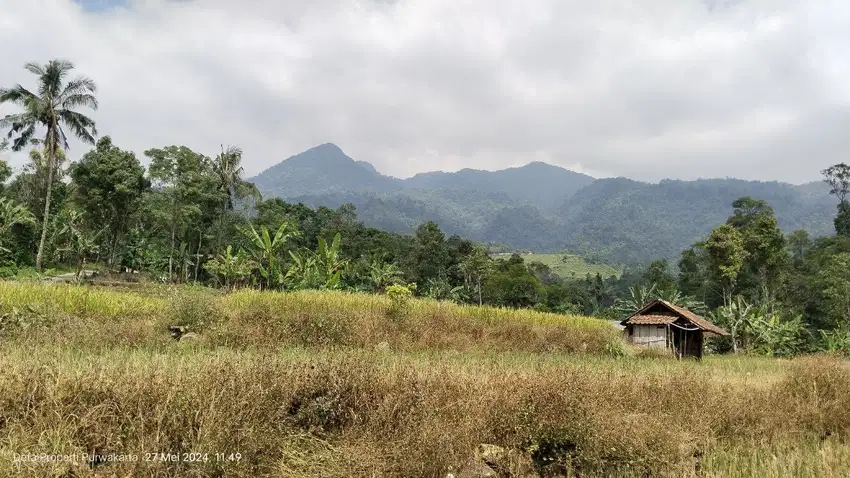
(230,174)
(52,108)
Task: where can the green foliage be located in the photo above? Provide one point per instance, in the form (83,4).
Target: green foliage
(726,254)
(399,296)
(798,243)
(76,240)
(52,109)
(382,275)
(836,341)
(267,250)
(774,336)
(233,270)
(320,270)
(834,285)
(5,172)
(11,215)
(108,184)
(842,219)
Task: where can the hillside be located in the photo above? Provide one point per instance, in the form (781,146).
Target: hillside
(571,266)
(541,207)
(537,183)
(634,221)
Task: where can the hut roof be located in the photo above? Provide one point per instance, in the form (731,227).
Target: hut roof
(650,315)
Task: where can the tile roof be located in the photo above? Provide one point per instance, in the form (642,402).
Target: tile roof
(703,324)
(653,319)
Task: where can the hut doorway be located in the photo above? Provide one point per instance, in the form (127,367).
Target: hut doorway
(687,341)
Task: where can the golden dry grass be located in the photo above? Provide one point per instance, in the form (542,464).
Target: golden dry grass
(268,381)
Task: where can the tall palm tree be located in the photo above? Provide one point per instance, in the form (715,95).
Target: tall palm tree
(230,174)
(52,108)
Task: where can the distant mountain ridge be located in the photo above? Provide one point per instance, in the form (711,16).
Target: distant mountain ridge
(541,207)
(326,169)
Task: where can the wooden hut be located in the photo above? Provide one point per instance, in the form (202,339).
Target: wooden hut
(663,325)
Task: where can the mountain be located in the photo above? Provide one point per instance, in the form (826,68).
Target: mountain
(536,183)
(541,207)
(632,221)
(325,168)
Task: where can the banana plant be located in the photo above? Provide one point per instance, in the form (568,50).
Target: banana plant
(322,269)
(266,249)
(12,214)
(383,274)
(328,259)
(233,268)
(78,242)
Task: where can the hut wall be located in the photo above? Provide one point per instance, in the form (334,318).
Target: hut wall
(650,335)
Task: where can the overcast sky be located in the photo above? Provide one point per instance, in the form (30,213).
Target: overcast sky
(758,89)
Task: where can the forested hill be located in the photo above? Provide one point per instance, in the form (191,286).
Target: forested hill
(542,207)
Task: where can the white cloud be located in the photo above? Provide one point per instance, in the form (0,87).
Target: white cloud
(669,88)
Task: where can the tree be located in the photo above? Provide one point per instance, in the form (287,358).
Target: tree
(5,170)
(108,185)
(53,109)
(736,316)
(834,284)
(11,215)
(229,172)
(798,243)
(838,179)
(511,284)
(842,219)
(330,263)
(431,256)
(658,275)
(693,277)
(475,268)
(746,210)
(726,254)
(766,255)
(186,199)
(77,240)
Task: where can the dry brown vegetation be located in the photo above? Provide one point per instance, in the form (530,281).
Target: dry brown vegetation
(419,406)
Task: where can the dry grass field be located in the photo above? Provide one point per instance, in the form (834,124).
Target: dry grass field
(337,385)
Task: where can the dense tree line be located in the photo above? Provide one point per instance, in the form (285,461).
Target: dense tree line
(190,217)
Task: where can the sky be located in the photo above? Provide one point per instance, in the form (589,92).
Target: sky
(683,89)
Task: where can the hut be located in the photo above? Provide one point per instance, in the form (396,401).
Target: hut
(663,325)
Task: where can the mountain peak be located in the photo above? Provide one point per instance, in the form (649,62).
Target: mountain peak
(327,148)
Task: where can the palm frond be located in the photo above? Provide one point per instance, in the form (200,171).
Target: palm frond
(79,86)
(35,69)
(25,132)
(81,125)
(16,95)
(80,99)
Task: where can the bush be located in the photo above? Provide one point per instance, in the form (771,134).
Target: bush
(399,300)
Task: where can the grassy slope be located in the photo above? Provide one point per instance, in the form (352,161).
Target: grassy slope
(274,379)
(574,267)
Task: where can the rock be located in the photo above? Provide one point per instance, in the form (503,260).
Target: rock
(189,336)
(476,469)
(177,331)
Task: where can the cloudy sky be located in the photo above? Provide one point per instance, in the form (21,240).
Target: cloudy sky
(758,89)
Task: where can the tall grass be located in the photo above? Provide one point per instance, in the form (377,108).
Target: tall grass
(364,413)
(103,317)
(335,384)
